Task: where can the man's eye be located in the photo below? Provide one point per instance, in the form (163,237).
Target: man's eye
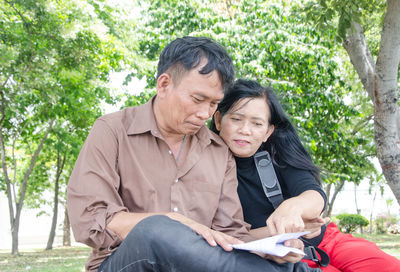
(235,119)
(198,100)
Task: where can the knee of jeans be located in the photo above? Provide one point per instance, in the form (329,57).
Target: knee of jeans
(157,228)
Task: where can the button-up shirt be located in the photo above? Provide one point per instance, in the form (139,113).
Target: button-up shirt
(125,165)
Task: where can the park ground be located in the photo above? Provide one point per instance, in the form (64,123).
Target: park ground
(72,259)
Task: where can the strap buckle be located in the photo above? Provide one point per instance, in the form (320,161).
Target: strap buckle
(311,253)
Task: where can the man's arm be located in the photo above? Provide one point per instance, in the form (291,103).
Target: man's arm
(92,195)
(229,216)
(123,222)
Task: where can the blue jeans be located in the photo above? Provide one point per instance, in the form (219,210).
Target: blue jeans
(161,244)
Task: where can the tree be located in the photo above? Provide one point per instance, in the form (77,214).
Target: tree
(268,41)
(53,74)
(379,77)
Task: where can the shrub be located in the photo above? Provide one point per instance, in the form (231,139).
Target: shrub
(394,229)
(349,222)
(383,222)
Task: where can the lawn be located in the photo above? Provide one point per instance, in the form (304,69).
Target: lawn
(72,259)
(389,243)
(62,259)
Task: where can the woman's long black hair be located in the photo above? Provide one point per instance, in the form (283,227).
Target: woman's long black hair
(284,144)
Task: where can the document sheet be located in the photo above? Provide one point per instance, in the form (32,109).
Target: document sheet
(273,245)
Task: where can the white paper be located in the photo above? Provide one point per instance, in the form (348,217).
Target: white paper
(273,245)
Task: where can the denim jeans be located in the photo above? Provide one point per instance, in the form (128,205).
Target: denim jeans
(161,244)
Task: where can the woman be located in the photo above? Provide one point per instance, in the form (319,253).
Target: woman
(250,119)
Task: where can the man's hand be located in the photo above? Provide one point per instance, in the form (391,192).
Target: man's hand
(212,237)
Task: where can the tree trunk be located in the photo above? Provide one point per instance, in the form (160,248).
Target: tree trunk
(371,214)
(54,220)
(380,80)
(20,202)
(60,167)
(386,108)
(14,235)
(327,188)
(355,199)
(66,228)
(338,187)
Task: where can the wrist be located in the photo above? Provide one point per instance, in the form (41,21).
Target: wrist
(293,206)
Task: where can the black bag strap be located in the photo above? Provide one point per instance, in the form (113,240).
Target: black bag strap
(311,254)
(273,191)
(269,181)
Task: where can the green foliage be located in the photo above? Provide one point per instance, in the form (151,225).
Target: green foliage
(273,43)
(136,100)
(56,56)
(349,222)
(54,68)
(340,14)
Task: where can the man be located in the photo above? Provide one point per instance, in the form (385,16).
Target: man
(154,187)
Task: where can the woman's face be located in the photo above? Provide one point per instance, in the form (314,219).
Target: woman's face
(245,127)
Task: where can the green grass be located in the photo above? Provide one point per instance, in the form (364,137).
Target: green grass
(63,259)
(72,259)
(390,243)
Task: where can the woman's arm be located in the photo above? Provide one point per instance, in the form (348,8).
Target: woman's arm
(292,214)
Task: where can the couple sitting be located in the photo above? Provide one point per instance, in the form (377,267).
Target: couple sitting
(153,189)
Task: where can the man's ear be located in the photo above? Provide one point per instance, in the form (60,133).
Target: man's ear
(217,120)
(164,83)
(269,132)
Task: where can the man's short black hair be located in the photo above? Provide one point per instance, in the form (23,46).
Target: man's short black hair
(186,53)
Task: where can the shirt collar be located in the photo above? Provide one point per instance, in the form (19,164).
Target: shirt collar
(145,121)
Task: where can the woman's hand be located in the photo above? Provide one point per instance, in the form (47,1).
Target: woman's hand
(292,214)
(212,237)
(290,257)
(314,226)
(286,218)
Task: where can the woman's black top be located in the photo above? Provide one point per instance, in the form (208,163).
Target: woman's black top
(256,206)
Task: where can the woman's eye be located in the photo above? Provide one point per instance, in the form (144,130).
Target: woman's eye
(235,119)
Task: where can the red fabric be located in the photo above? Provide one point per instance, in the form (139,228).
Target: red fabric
(351,254)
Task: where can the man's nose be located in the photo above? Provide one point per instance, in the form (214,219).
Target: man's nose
(204,112)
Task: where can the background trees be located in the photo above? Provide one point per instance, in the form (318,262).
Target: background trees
(56,58)
(54,70)
(376,61)
(274,43)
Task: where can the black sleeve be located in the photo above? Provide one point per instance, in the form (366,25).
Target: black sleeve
(295,181)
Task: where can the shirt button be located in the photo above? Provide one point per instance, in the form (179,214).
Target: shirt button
(176,180)
(170,152)
(176,209)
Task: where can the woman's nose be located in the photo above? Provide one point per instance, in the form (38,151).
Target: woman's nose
(245,129)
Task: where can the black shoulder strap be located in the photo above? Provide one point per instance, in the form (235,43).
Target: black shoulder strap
(268,178)
(311,254)
(273,191)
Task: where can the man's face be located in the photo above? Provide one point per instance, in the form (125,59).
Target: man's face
(190,102)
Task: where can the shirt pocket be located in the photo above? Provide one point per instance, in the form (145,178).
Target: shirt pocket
(204,201)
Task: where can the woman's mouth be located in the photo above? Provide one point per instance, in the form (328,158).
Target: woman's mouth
(241,142)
